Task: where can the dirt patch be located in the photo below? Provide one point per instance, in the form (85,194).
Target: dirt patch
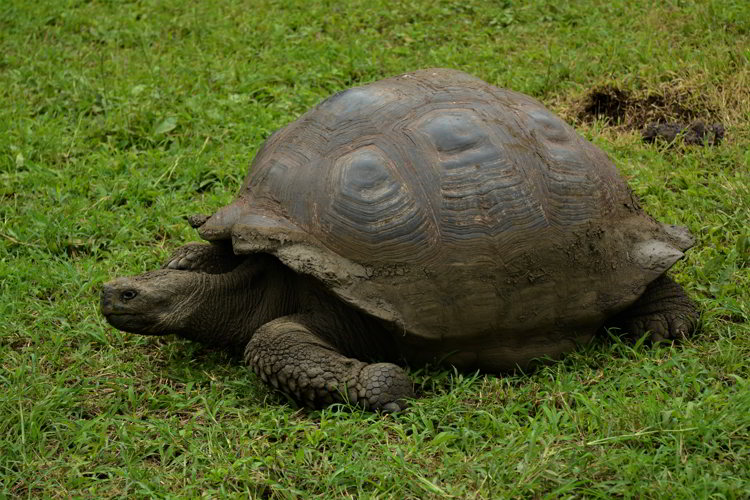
(696,133)
(669,112)
(606,102)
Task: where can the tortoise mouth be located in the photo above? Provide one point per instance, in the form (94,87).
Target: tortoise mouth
(117,318)
(111,314)
(129,322)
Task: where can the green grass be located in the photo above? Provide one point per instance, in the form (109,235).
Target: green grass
(117,118)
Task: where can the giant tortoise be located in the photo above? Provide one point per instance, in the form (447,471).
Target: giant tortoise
(425,218)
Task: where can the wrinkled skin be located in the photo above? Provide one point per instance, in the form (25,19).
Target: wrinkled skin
(291,332)
(299,338)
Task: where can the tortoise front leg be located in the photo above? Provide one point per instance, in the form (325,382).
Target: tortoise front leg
(664,310)
(288,355)
(197,220)
(211,258)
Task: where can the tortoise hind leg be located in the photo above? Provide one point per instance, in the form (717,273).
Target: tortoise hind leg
(288,355)
(664,310)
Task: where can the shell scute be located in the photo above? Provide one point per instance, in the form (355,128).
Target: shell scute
(372,213)
(453,130)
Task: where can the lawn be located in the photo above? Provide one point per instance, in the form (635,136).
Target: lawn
(118,118)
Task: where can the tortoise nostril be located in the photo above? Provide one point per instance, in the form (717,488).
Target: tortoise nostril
(105,300)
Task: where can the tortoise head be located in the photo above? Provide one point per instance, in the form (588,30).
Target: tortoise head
(154,303)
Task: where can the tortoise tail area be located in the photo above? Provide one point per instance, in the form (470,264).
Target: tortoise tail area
(679,236)
(657,249)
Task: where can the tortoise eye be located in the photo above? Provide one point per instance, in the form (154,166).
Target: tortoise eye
(129,294)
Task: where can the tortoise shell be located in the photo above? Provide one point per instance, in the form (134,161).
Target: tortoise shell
(466,217)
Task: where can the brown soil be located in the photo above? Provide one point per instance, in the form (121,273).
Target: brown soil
(696,133)
(668,114)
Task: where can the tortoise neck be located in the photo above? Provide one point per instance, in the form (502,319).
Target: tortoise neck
(231,306)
